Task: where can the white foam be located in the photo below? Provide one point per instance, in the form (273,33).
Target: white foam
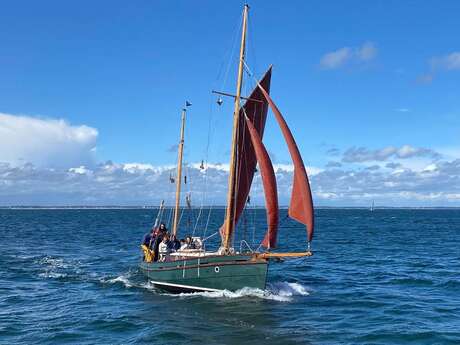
(53,267)
(289,289)
(148,286)
(124,279)
(280,292)
(53,263)
(244,292)
(52,274)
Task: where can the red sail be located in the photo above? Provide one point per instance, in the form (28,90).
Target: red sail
(301,206)
(269,183)
(256,110)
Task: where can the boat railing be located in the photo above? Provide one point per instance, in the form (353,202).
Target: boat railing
(247,245)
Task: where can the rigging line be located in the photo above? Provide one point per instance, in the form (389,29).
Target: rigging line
(162,214)
(189,186)
(207,238)
(254,185)
(240,153)
(206,160)
(237,177)
(253,224)
(181,212)
(197,219)
(170,197)
(205,165)
(251,48)
(246,167)
(209,217)
(170,217)
(238,26)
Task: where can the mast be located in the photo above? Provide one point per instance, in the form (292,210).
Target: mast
(230,213)
(179,172)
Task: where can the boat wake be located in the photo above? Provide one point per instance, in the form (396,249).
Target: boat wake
(280,292)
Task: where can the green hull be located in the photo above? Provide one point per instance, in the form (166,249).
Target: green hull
(211,273)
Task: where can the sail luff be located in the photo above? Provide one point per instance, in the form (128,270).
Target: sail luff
(301,205)
(231,195)
(269,183)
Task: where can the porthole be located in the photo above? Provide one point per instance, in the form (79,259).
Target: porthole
(216,269)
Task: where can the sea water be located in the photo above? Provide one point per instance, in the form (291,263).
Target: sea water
(390,276)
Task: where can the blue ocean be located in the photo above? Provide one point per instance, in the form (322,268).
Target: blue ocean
(391,276)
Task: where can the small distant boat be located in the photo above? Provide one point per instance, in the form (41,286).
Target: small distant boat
(227,268)
(372,206)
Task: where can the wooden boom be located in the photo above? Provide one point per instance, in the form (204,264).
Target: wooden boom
(283,255)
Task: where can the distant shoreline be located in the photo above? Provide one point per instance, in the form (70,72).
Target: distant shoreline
(109,207)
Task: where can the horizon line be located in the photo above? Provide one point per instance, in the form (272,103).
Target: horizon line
(76,207)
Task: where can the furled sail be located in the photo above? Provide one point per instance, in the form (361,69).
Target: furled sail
(269,183)
(255,109)
(301,205)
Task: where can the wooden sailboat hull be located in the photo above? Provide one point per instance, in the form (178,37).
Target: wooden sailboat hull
(208,273)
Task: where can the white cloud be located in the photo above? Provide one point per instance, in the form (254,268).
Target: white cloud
(447,62)
(366,52)
(362,154)
(336,58)
(345,55)
(45,142)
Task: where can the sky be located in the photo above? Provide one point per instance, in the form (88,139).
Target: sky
(91,95)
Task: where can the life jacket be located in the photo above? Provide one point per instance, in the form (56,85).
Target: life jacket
(148,254)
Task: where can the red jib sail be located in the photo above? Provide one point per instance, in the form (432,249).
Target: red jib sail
(269,183)
(256,110)
(301,205)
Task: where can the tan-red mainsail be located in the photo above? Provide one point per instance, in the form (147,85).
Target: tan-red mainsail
(269,182)
(255,108)
(301,205)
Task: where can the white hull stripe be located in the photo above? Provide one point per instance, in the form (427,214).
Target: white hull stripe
(184,286)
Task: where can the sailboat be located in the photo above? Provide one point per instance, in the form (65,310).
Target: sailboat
(372,206)
(226,268)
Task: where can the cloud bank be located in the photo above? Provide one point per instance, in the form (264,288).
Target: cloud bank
(45,142)
(50,162)
(143,184)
